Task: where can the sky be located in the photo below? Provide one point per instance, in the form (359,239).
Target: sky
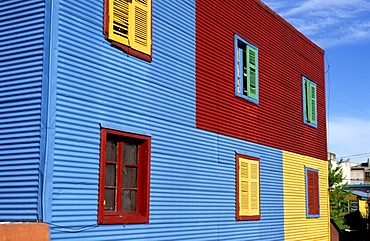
(342,29)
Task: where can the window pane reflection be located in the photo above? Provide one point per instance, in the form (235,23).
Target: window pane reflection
(111,154)
(129,200)
(129,177)
(110,175)
(130,154)
(109,199)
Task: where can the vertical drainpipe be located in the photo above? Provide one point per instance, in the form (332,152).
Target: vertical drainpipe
(48,106)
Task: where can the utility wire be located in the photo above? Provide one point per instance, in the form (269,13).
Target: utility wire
(361,109)
(355,155)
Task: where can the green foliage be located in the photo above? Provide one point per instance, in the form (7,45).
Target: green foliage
(337,196)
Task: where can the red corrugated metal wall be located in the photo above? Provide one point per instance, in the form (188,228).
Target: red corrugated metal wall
(284,56)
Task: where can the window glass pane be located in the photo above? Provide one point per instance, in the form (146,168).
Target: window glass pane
(109,199)
(130,154)
(110,175)
(129,200)
(245,73)
(129,177)
(111,154)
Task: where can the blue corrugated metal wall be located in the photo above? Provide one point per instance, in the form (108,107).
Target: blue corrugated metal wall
(192,171)
(21,72)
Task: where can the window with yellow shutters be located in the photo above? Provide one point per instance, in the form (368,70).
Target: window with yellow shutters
(128,25)
(248,188)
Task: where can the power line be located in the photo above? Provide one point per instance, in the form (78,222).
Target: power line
(362,109)
(356,155)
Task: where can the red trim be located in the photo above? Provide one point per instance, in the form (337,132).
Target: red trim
(132,51)
(239,217)
(106,19)
(248,218)
(141,215)
(103,147)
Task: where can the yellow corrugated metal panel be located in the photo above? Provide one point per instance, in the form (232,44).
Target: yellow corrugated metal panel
(296,225)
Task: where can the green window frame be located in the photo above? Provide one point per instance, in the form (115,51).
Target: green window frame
(246,70)
(309,102)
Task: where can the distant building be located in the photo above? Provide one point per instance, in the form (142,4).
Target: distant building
(360,173)
(346,167)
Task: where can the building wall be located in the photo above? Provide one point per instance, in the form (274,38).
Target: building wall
(296,225)
(357,176)
(346,169)
(91,84)
(284,56)
(21,127)
(192,193)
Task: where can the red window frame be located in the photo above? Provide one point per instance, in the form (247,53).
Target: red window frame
(312,193)
(118,216)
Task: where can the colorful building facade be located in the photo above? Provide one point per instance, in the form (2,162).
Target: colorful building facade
(161,120)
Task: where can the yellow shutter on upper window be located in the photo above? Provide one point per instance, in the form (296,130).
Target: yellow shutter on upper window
(141,26)
(249,196)
(119,24)
(130,24)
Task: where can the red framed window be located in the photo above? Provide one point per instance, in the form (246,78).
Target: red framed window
(124,178)
(312,193)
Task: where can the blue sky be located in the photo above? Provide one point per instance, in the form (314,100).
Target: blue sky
(342,29)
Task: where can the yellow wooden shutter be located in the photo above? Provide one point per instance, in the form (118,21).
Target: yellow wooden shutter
(249,196)
(243,187)
(254,182)
(140,37)
(119,24)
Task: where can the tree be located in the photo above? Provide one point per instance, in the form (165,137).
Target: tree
(337,195)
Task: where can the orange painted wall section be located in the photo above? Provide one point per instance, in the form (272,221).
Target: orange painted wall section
(24,232)
(284,56)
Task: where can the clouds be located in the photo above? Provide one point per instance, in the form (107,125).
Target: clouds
(349,136)
(327,22)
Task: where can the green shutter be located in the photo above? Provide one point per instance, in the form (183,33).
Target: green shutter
(312,103)
(252,81)
(307,100)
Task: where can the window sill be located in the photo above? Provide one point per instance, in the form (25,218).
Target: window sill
(310,124)
(126,218)
(254,101)
(313,216)
(132,52)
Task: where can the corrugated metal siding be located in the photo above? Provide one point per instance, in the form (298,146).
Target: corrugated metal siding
(192,171)
(297,226)
(21,63)
(284,56)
